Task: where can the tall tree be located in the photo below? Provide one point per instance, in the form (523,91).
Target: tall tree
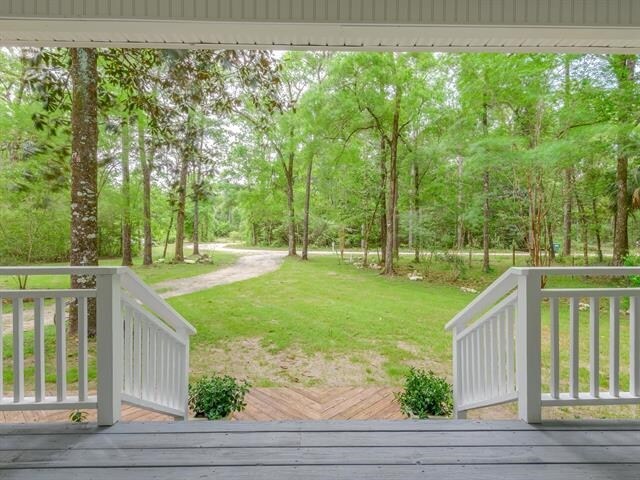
(127,257)
(624,67)
(84,172)
(146,165)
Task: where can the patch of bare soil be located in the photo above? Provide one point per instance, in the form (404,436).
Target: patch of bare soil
(249,359)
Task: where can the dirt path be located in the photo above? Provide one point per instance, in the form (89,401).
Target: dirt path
(249,265)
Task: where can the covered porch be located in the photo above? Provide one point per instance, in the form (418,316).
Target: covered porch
(143,344)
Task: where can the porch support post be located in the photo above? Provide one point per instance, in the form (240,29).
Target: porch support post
(184,375)
(110,351)
(528,340)
(457,377)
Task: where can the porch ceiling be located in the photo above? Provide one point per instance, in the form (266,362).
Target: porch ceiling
(442,25)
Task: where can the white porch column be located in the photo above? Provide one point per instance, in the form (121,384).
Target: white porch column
(528,357)
(110,351)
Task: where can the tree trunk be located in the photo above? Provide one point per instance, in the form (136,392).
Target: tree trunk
(584,227)
(196,224)
(146,165)
(166,239)
(552,250)
(396,231)
(486,211)
(127,257)
(568,172)
(307,203)
(198,190)
(486,216)
(84,174)
(254,234)
(383,195)
(392,204)
(291,220)
(181,207)
(621,237)
(625,71)
(596,222)
(460,219)
(415,209)
(567,217)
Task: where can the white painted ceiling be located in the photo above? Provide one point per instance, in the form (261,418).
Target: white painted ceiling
(442,25)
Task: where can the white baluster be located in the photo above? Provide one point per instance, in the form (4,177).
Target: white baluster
(634,348)
(554,379)
(479,373)
(495,347)
(144,387)
(153,364)
(574,339)
(501,349)
(18,351)
(614,347)
(511,319)
(61,351)
(485,356)
(1,352)
(83,357)
(594,347)
(137,349)
(128,350)
(38,348)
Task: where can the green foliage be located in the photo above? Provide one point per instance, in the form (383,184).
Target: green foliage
(633,261)
(217,397)
(425,394)
(78,416)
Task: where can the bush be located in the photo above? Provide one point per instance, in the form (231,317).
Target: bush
(633,261)
(425,394)
(217,397)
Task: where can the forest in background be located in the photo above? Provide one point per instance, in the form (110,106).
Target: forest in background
(379,151)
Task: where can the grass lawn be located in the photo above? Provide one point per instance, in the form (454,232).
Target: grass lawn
(324,322)
(329,323)
(326,308)
(156,273)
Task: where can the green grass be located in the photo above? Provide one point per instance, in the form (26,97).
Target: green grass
(328,307)
(156,273)
(332,309)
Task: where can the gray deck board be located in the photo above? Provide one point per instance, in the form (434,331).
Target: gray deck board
(322,426)
(323,450)
(339,472)
(321,439)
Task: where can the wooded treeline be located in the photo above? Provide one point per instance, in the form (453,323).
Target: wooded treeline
(379,151)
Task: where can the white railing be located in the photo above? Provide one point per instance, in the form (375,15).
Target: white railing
(142,345)
(497,343)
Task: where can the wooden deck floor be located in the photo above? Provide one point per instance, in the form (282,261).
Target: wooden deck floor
(265,404)
(356,450)
(338,403)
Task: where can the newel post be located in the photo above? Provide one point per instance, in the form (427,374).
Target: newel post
(457,377)
(528,338)
(109,332)
(184,374)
